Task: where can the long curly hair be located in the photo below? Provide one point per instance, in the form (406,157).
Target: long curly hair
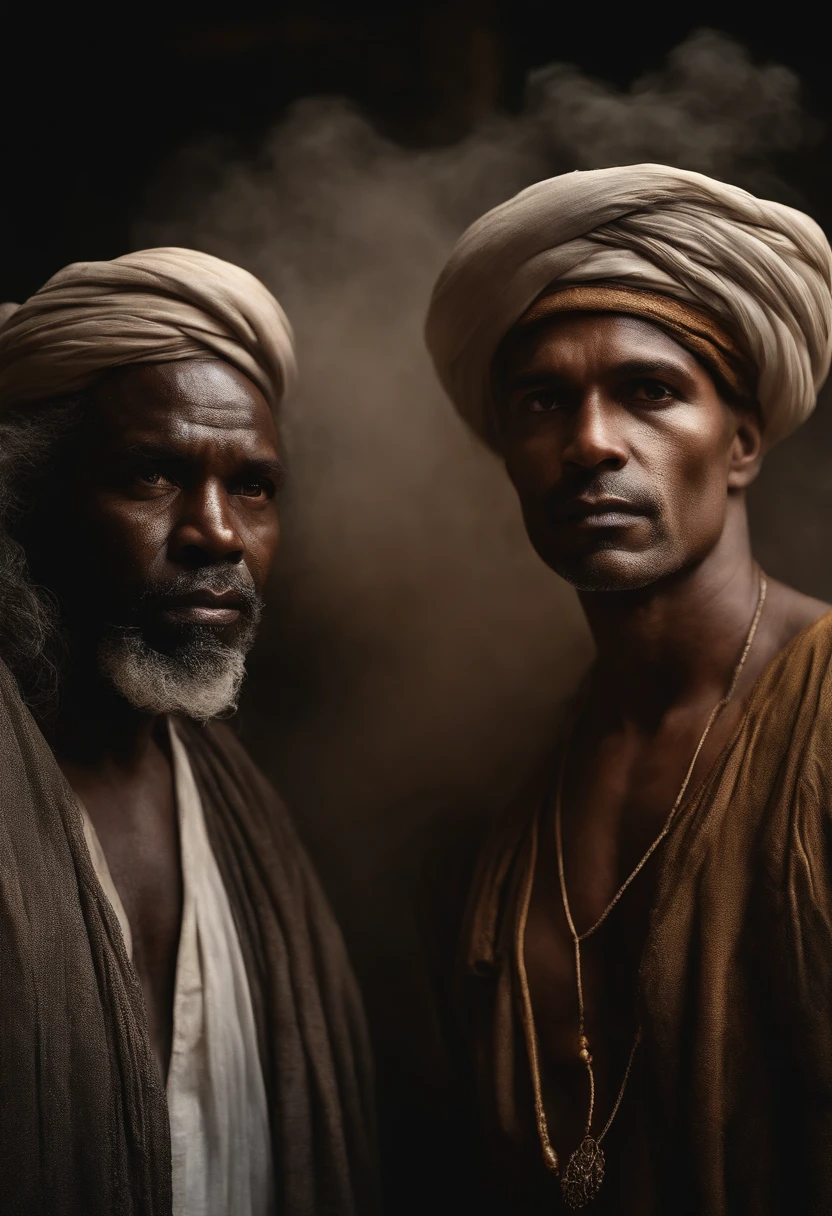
(32,441)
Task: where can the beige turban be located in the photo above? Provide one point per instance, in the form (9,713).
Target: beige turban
(154,306)
(761,271)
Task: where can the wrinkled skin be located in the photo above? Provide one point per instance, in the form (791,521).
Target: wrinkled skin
(173,482)
(176,473)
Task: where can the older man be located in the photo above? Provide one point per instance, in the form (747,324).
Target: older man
(648,959)
(179,1028)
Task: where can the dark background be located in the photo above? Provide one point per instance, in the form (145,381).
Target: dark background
(94,104)
(94,110)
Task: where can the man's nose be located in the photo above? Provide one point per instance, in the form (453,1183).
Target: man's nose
(596,436)
(206,532)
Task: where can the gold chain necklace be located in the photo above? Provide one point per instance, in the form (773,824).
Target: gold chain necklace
(585,1169)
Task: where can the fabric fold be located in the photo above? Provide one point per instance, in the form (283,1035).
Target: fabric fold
(153,306)
(83,1116)
(761,269)
(730,1102)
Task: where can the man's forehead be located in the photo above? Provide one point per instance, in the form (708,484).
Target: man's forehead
(192,402)
(572,337)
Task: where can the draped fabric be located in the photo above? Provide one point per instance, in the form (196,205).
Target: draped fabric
(154,306)
(84,1125)
(313,1040)
(83,1119)
(729,1109)
(691,327)
(761,269)
(221,1156)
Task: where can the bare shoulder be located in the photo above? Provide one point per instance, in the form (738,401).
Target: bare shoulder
(790,611)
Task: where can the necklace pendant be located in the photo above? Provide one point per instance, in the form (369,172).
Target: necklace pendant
(584,1174)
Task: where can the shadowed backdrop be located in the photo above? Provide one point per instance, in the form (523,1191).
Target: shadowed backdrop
(415,652)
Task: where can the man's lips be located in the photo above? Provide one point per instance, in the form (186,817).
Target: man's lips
(203,607)
(598,513)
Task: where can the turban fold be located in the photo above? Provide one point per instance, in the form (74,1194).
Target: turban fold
(154,306)
(760,270)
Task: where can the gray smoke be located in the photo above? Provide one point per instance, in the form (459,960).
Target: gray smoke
(419,651)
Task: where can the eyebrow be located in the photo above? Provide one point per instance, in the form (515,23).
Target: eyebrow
(152,451)
(652,367)
(272,469)
(164,454)
(631,367)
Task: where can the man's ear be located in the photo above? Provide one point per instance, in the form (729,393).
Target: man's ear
(746,454)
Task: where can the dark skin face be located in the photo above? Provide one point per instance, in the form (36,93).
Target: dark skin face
(594,408)
(621,449)
(176,474)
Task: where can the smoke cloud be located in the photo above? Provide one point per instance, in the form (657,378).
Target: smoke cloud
(418,651)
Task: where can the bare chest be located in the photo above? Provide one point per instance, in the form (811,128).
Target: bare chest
(613,810)
(609,962)
(137,828)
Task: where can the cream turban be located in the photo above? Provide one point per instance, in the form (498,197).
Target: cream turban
(154,306)
(763,271)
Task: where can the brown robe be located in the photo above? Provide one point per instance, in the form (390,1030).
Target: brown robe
(729,1109)
(83,1118)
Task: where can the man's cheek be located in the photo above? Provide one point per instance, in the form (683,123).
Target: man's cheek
(132,537)
(702,488)
(533,469)
(260,551)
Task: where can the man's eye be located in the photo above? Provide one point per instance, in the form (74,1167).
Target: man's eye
(151,477)
(255,489)
(653,390)
(540,402)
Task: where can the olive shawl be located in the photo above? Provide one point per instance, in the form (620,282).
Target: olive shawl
(83,1119)
(731,1096)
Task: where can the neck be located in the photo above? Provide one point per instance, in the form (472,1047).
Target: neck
(678,640)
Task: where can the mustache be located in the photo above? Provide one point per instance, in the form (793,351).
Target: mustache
(218,579)
(589,486)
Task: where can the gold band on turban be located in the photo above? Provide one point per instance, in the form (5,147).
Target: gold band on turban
(760,271)
(691,327)
(154,306)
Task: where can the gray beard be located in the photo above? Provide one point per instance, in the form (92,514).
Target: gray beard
(200,680)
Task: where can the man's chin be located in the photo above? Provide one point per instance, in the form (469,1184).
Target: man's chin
(181,639)
(610,570)
(200,678)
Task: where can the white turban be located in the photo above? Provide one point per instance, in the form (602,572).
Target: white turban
(154,306)
(763,271)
